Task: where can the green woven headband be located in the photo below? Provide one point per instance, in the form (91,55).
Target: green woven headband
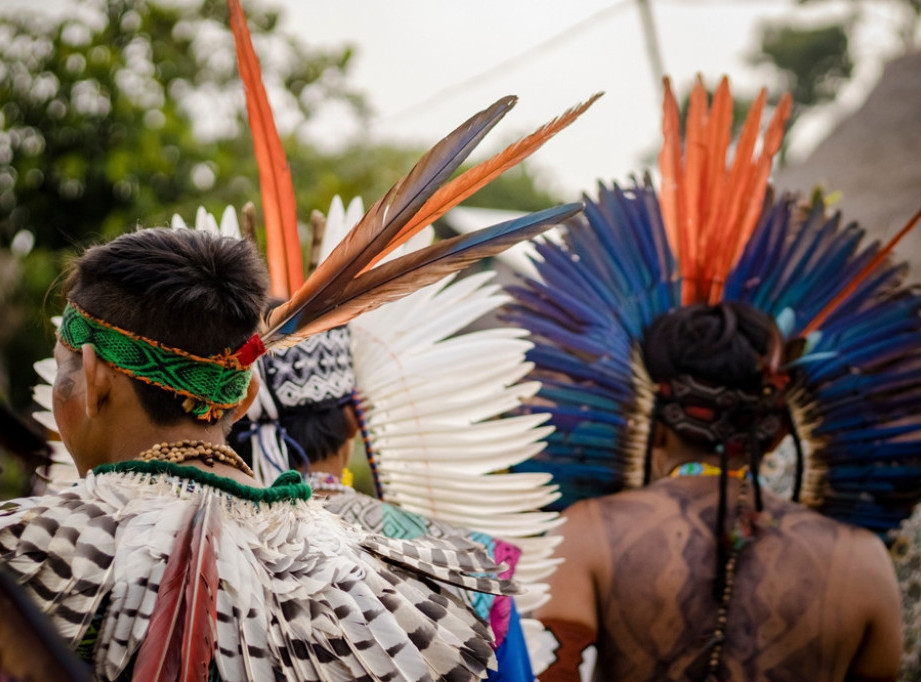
(211,385)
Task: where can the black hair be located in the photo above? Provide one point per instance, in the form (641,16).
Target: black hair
(724,344)
(315,431)
(728,345)
(189,289)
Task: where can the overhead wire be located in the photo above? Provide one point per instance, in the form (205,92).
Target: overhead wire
(554,41)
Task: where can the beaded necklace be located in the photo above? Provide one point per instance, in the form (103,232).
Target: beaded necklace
(184,450)
(740,535)
(706,469)
(320,481)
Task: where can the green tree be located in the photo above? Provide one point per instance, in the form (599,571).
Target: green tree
(811,63)
(102,129)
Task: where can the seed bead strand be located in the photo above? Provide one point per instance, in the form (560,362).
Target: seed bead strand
(719,633)
(184,450)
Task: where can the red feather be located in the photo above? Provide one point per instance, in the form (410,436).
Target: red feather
(283,248)
(181,635)
(200,632)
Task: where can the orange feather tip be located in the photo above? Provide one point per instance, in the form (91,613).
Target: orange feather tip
(474,179)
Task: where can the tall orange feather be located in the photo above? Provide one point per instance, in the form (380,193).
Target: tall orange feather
(670,168)
(695,164)
(752,193)
(283,249)
(718,135)
(738,182)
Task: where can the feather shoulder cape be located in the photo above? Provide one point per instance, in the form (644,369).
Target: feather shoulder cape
(285,589)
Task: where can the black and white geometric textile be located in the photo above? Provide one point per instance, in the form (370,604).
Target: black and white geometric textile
(301,595)
(315,371)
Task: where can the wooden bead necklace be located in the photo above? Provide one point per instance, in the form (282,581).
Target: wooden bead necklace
(184,450)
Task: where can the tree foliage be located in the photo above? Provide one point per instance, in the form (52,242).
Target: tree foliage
(128,111)
(812,63)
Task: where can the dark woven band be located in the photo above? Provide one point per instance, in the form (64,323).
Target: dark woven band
(711,415)
(211,384)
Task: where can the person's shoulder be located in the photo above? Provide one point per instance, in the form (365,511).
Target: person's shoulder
(816,528)
(626,506)
(636,502)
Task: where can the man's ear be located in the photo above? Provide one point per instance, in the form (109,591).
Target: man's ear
(251,392)
(98,376)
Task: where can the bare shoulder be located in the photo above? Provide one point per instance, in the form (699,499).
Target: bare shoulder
(582,521)
(866,548)
(628,506)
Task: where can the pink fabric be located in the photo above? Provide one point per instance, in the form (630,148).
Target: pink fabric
(502,606)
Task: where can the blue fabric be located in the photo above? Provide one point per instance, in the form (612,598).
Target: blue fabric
(514,663)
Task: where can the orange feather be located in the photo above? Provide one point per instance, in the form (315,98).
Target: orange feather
(471,181)
(738,184)
(670,171)
(383,221)
(695,164)
(752,193)
(719,133)
(283,249)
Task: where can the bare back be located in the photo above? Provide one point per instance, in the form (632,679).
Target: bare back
(813,599)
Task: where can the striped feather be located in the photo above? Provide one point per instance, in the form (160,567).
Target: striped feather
(298,590)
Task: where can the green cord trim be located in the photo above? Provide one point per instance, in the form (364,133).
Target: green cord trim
(212,384)
(289,487)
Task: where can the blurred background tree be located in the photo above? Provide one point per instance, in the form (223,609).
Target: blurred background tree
(812,62)
(128,111)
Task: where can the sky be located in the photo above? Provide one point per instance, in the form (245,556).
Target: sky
(427,65)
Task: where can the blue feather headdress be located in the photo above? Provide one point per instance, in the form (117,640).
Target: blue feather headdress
(636,254)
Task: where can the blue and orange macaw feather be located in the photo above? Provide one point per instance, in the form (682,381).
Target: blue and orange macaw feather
(857,382)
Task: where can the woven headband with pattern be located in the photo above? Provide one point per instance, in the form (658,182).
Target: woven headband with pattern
(314,371)
(210,384)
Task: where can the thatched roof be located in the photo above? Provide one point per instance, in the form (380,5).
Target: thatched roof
(874,159)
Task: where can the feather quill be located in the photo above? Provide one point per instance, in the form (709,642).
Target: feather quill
(180,640)
(401,276)
(283,249)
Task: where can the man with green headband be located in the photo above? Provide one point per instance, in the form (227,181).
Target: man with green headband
(168,558)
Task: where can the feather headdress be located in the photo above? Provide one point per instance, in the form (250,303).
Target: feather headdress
(714,233)
(427,402)
(350,281)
